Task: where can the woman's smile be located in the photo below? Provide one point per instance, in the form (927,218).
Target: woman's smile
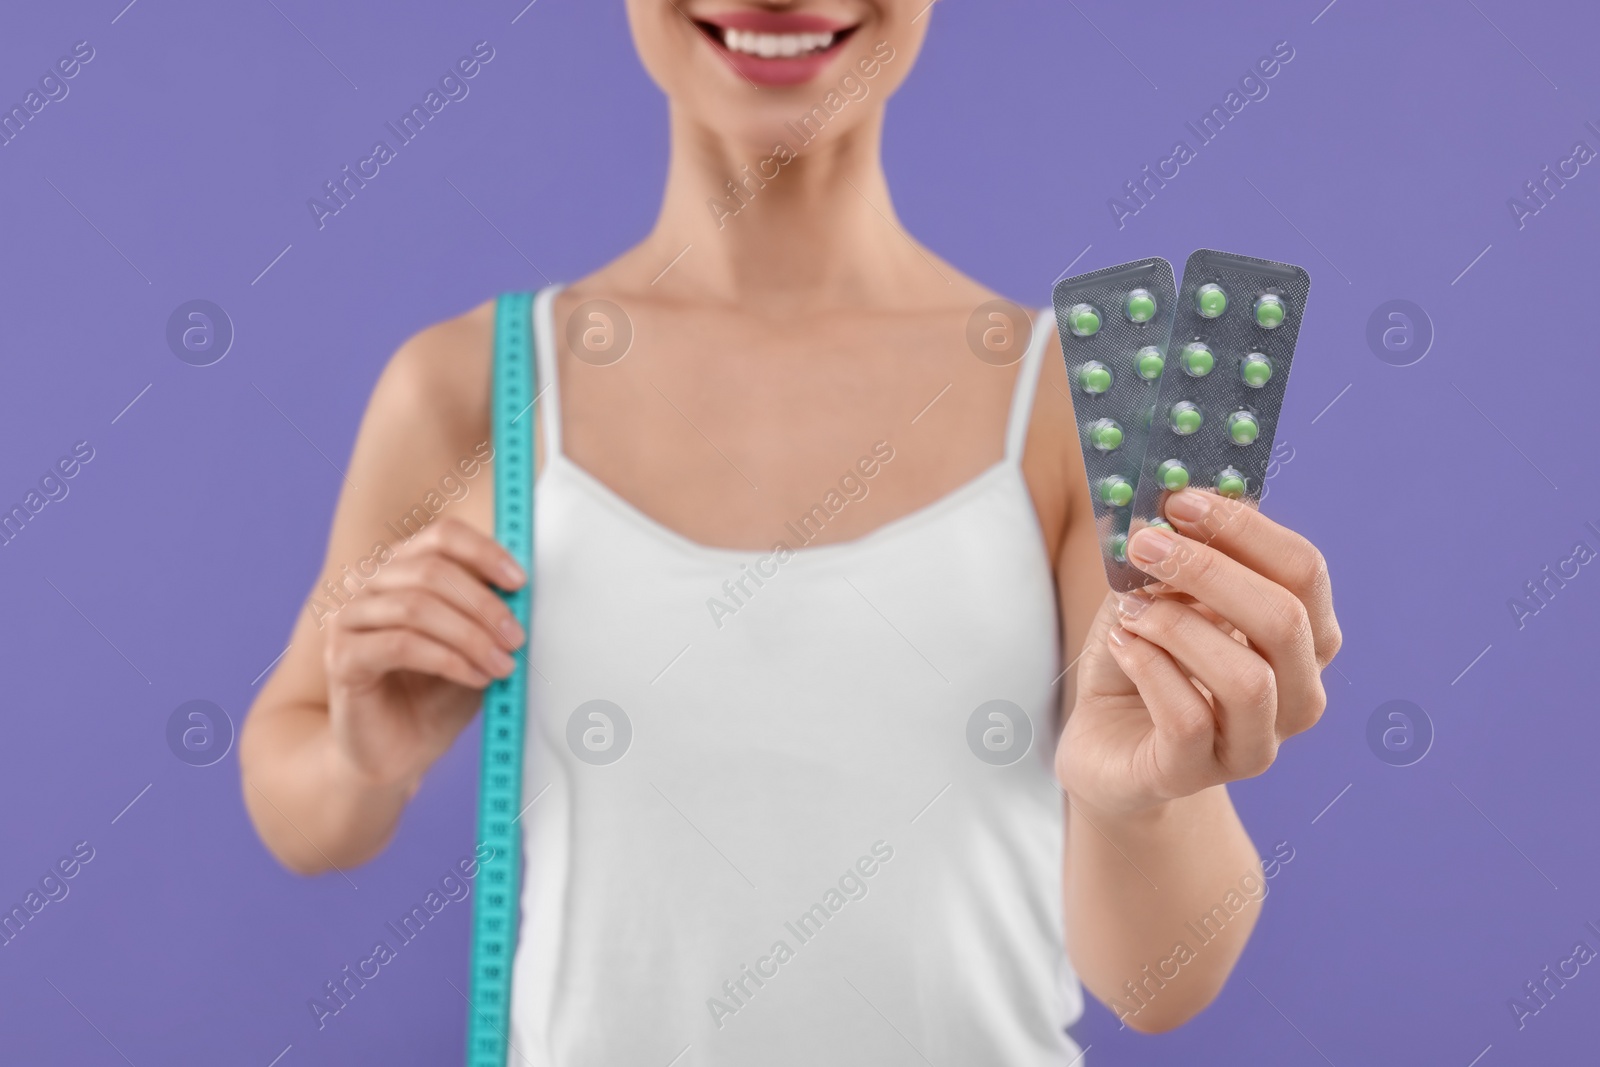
(773,48)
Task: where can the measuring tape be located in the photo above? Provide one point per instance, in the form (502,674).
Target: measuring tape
(494,912)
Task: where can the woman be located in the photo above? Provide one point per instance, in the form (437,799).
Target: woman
(835,586)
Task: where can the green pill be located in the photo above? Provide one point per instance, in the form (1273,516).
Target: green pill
(1083,320)
(1197,359)
(1159,524)
(1242,427)
(1210,300)
(1230,483)
(1149,362)
(1185,418)
(1173,474)
(1116,491)
(1094,377)
(1255,369)
(1269,311)
(1119,547)
(1141,306)
(1105,434)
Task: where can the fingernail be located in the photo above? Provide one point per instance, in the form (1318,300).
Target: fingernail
(1151,545)
(1188,506)
(1118,636)
(512,574)
(1132,605)
(511,632)
(503,664)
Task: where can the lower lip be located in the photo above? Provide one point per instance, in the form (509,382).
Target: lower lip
(776,72)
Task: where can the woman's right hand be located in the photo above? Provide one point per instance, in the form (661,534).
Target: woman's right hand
(408,657)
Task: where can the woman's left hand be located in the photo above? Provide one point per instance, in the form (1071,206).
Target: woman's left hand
(1195,682)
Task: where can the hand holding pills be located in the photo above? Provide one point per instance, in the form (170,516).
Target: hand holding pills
(1209,650)
(1194,682)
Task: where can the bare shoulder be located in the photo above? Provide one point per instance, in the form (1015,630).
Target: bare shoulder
(428,411)
(438,381)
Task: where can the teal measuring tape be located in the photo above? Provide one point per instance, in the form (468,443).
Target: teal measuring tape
(494,912)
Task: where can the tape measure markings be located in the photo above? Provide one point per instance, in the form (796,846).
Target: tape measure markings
(494,912)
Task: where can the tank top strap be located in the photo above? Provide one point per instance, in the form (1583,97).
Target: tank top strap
(1027,385)
(544,354)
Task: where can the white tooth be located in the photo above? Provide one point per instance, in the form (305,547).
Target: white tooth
(769,45)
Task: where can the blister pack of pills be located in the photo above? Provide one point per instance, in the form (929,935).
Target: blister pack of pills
(1115,324)
(1233,337)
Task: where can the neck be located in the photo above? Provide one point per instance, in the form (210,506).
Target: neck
(763,225)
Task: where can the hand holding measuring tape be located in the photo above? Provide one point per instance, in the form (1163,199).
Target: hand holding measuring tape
(408,659)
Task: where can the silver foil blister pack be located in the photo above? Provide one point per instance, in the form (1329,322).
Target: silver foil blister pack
(1236,322)
(1115,324)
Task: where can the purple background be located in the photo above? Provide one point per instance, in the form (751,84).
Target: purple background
(1382,161)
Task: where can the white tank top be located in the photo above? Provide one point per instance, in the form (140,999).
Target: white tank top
(762,834)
